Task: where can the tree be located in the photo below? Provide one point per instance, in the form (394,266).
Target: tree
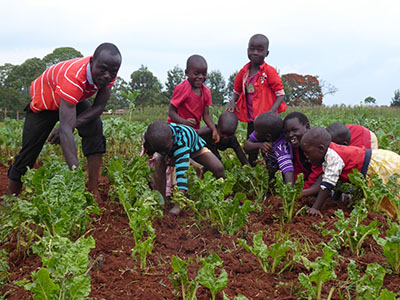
(149,87)
(302,90)
(396,99)
(230,85)
(61,54)
(216,83)
(174,77)
(117,100)
(369,100)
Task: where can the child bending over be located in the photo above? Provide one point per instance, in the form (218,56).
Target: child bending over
(295,125)
(226,128)
(338,161)
(352,135)
(257,88)
(191,98)
(176,144)
(268,137)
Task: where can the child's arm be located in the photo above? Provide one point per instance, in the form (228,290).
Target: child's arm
(209,122)
(277,103)
(203,131)
(250,146)
(239,152)
(313,189)
(232,103)
(289,177)
(323,194)
(160,180)
(173,114)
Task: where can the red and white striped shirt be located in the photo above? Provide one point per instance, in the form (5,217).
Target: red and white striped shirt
(70,80)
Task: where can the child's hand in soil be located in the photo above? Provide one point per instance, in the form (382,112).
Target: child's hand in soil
(314,212)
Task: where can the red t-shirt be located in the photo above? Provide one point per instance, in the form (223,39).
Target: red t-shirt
(267,86)
(188,104)
(360,136)
(70,80)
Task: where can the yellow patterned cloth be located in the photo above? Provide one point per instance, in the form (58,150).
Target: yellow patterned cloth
(374,141)
(384,163)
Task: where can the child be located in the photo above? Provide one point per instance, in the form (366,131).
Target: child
(257,88)
(269,138)
(226,128)
(338,161)
(177,143)
(191,99)
(295,125)
(352,135)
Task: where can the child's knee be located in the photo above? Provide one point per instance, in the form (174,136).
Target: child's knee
(219,171)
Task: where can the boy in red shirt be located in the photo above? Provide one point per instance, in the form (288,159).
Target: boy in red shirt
(191,99)
(338,162)
(60,94)
(257,88)
(352,135)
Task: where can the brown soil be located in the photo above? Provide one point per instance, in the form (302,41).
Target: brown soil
(115,275)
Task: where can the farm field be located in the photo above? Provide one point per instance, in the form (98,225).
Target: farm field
(235,239)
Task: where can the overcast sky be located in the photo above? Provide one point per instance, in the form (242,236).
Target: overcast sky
(353,45)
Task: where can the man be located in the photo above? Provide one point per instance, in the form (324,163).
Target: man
(60,94)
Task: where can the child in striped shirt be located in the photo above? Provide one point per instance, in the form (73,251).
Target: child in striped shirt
(176,144)
(268,137)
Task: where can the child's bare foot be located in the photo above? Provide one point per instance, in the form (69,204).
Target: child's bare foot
(175,210)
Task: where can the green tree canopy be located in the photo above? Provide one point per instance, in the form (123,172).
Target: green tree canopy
(61,54)
(117,100)
(216,83)
(396,99)
(149,87)
(370,100)
(174,77)
(230,85)
(302,90)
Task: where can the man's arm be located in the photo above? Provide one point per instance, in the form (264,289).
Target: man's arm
(97,108)
(67,115)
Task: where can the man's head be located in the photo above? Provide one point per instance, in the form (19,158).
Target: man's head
(268,127)
(340,133)
(257,50)
(315,143)
(159,138)
(227,124)
(104,64)
(295,126)
(196,70)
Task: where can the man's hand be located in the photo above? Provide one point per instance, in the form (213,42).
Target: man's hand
(54,137)
(314,212)
(190,122)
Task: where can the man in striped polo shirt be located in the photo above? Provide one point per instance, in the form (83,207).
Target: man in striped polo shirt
(61,94)
(178,143)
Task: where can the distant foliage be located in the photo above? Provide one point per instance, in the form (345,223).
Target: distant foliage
(230,85)
(174,77)
(216,83)
(396,99)
(302,90)
(370,100)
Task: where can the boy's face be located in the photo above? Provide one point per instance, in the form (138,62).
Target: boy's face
(197,73)
(104,68)
(225,137)
(294,131)
(257,51)
(315,154)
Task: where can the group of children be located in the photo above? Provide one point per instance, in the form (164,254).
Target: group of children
(323,155)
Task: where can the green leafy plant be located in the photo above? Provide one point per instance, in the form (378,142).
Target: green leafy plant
(369,285)
(180,279)
(238,297)
(322,270)
(288,193)
(64,272)
(269,257)
(351,233)
(391,245)
(206,275)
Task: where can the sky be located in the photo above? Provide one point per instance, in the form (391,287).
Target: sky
(353,45)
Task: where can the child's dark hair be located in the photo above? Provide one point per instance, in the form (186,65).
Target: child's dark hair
(227,123)
(269,123)
(297,115)
(195,58)
(316,136)
(260,36)
(340,133)
(111,48)
(157,136)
